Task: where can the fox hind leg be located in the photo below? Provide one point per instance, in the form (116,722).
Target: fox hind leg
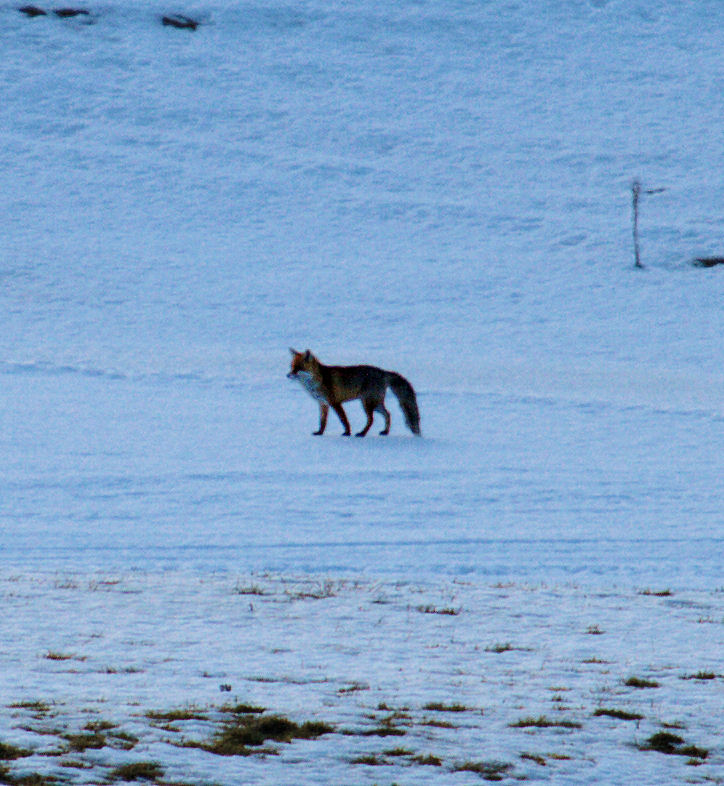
(342,415)
(370,405)
(382,409)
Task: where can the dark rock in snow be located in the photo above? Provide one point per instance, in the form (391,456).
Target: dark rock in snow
(69,13)
(182,22)
(32,10)
(708,261)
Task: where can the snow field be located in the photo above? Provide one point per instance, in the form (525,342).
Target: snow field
(415,669)
(440,191)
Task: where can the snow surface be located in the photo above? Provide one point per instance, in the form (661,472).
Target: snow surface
(439,189)
(363,656)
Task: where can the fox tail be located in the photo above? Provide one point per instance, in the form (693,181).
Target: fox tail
(408,401)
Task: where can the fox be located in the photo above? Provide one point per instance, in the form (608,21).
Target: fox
(330,386)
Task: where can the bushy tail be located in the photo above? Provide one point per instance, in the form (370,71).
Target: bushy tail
(408,401)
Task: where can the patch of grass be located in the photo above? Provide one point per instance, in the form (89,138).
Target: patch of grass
(536,757)
(100,734)
(700,675)
(427,761)
(54,655)
(171,716)
(353,688)
(123,740)
(45,731)
(30,779)
(251,589)
(169,727)
(663,742)
(489,770)
(499,648)
(542,722)
(674,725)
(438,724)
(81,742)
(395,715)
(288,680)
(429,609)
(656,593)
(436,706)
(673,745)
(385,730)
(370,759)
(11,752)
(39,707)
(398,752)
(620,714)
(594,630)
(243,709)
(248,731)
(98,726)
(137,771)
(75,764)
(637,682)
(693,751)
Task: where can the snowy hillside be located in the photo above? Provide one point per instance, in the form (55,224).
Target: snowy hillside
(442,189)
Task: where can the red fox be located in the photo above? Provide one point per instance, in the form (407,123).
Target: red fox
(332,385)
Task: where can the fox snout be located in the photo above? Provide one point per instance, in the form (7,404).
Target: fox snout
(291,375)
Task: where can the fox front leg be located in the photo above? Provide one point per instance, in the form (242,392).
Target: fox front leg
(323,411)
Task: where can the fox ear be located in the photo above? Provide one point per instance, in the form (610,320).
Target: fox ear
(293,351)
(307,355)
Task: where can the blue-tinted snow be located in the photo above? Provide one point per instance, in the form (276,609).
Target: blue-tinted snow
(440,190)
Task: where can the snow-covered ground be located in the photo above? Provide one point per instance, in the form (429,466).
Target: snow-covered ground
(443,189)
(400,671)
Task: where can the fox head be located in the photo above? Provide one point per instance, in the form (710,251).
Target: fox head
(303,363)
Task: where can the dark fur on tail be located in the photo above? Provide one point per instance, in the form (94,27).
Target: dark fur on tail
(408,401)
